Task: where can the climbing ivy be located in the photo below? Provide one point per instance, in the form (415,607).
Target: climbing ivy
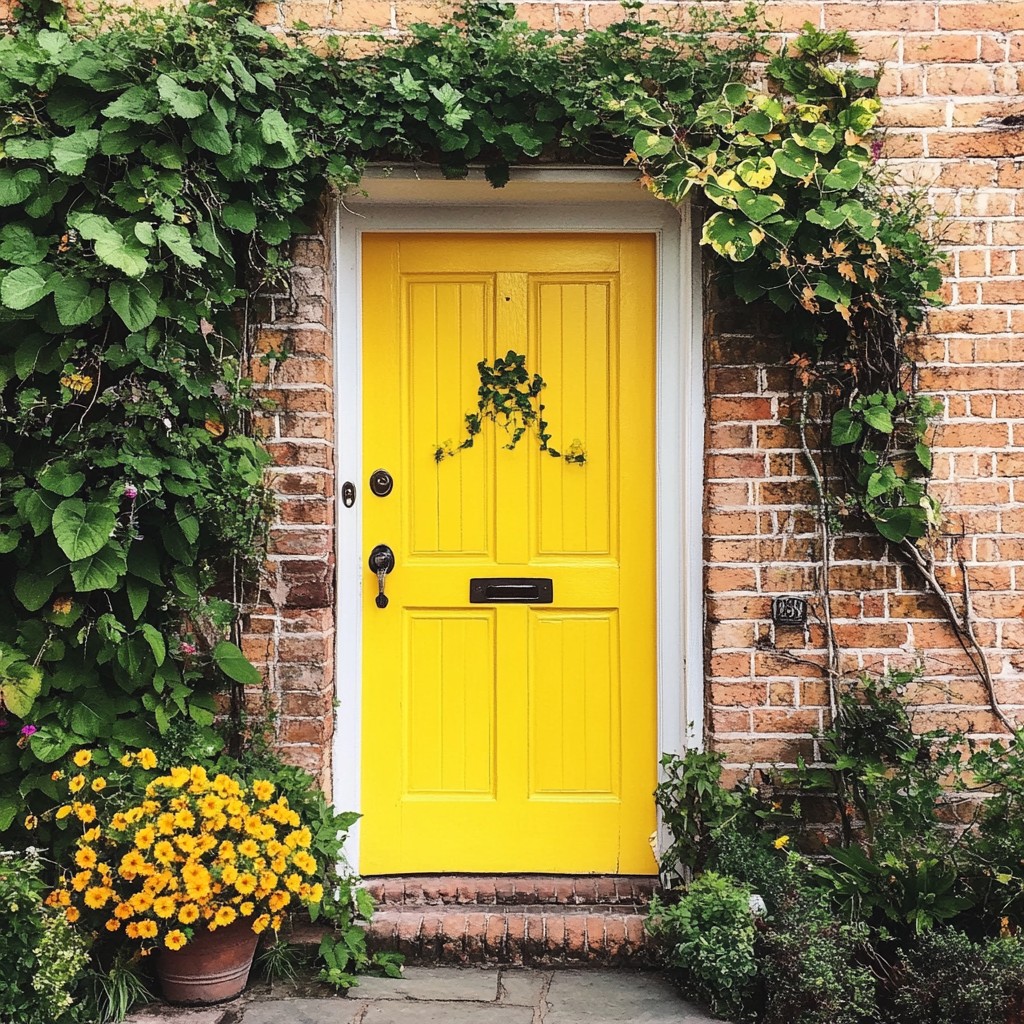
(156,164)
(507,394)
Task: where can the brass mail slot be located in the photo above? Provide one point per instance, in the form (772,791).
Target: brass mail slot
(510,590)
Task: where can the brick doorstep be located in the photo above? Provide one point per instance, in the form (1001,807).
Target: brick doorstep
(543,934)
(537,920)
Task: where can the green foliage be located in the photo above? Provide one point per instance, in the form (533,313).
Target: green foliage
(709,941)
(506,396)
(887,434)
(897,863)
(153,166)
(146,165)
(811,967)
(695,809)
(947,978)
(43,956)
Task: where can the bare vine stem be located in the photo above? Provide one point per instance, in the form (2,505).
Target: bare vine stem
(962,625)
(825,539)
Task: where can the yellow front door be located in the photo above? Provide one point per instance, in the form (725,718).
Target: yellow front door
(509,737)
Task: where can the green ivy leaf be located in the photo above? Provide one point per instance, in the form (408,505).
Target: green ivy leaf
(52,742)
(99,571)
(20,684)
(186,103)
(17,186)
(20,245)
(731,236)
(138,596)
(758,206)
(82,530)
(71,153)
(756,123)
(239,216)
(846,428)
(793,161)
(176,238)
(924,456)
(234,664)
(59,478)
(894,524)
(34,510)
(156,642)
(820,139)
(34,590)
(735,94)
(878,417)
(844,177)
(25,286)
(274,128)
(76,301)
(134,303)
(647,144)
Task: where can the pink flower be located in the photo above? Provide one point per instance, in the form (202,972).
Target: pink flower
(187,648)
(28,730)
(3,723)
(876,150)
(131,491)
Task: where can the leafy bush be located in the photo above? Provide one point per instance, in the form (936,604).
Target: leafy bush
(810,967)
(947,978)
(43,956)
(709,942)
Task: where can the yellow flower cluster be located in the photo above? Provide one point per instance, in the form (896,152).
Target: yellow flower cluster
(80,383)
(194,852)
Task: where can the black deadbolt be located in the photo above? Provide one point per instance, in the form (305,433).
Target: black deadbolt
(381,482)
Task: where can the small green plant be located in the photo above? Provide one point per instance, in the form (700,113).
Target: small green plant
(112,991)
(709,938)
(507,395)
(695,809)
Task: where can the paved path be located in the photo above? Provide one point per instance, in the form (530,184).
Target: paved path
(453,995)
(461,995)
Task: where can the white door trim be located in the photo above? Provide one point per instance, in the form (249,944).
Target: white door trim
(565,199)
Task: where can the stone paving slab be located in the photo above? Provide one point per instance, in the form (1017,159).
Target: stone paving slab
(610,997)
(479,986)
(444,1013)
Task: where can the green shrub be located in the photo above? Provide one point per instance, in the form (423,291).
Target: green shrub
(947,978)
(43,957)
(709,941)
(809,967)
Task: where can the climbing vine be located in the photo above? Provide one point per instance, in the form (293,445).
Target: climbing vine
(509,395)
(155,166)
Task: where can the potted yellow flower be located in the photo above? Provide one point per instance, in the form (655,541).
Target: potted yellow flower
(191,866)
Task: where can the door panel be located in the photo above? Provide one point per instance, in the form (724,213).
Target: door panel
(510,737)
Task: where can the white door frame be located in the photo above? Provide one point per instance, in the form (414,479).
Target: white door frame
(591,200)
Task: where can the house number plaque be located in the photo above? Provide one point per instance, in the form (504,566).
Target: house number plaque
(789,611)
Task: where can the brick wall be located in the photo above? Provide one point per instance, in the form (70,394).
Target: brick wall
(951,68)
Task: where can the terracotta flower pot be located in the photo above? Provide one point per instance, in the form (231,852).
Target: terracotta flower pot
(211,968)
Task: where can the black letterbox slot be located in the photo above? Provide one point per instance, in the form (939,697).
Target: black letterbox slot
(510,590)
